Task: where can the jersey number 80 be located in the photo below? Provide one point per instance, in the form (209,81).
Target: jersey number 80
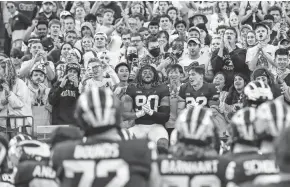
(152,100)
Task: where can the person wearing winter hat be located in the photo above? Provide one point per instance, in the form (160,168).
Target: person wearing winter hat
(64,94)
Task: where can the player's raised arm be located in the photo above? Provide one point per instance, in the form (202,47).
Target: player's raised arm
(129,113)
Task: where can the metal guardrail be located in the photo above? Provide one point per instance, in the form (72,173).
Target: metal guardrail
(18,128)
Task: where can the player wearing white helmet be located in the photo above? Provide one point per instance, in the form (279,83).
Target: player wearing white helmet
(272,119)
(6,175)
(282,155)
(30,159)
(246,164)
(101,159)
(194,161)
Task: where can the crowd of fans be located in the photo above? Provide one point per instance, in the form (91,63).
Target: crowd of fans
(54,51)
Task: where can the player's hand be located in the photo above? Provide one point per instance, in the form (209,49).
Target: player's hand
(117,91)
(189,106)
(63,82)
(74,79)
(34,22)
(4,102)
(147,109)
(6,87)
(166,61)
(140,113)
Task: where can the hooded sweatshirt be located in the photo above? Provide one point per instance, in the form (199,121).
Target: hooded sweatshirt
(63,102)
(78,44)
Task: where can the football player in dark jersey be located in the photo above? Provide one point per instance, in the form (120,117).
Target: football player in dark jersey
(196,91)
(194,161)
(101,159)
(32,168)
(272,118)
(282,155)
(148,104)
(6,177)
(245,163)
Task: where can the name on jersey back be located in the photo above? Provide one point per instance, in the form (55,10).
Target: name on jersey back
(96,151)
(189,167)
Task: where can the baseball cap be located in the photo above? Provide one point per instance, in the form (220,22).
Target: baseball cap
(65,13)
(52,2)
(246,26)
(38,67)
(261,25)
(194,28)
(196,40)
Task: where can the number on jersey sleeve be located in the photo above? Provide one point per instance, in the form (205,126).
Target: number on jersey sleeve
(185,181)
(91,170)
(152,100)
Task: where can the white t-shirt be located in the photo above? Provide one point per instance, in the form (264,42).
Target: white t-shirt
(202,60)
(270,49)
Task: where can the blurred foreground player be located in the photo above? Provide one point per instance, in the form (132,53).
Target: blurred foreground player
(194,161)
(245,163)
(272,119)
(282,155)
(31,159)
(101,159)
(6,176)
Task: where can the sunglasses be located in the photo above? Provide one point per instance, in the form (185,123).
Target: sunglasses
(10,7)
(100,39)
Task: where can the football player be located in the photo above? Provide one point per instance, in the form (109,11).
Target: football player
(6,176)
(245,163)
(282,155)
(272,119)
(196,91)
(194,161)
(32,168)
(148,104)
(101,159)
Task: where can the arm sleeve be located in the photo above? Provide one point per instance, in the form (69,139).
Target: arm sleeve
(216,62)
(239,60)
(54,94)
(25,68)
(182,92)
(162,116)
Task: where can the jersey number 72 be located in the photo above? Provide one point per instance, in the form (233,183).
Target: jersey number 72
(91,170)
